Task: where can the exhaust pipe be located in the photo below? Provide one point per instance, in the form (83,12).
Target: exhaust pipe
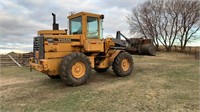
(55,25)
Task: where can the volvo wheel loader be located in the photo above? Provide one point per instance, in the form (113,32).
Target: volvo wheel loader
(71,54)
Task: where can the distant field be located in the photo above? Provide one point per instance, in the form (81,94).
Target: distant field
(188,49)
(166,82)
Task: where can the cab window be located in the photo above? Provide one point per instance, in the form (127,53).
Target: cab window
(76,25)
(92,27)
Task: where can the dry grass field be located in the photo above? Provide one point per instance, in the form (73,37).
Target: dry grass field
(166,82)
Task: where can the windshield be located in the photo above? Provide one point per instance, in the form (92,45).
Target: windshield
(92,27)
(76,25)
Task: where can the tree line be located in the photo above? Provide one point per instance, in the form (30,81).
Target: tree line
(166,21)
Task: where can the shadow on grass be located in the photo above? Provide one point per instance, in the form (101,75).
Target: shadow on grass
(95,77)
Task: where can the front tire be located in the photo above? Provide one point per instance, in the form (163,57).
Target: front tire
(75,69)
(123,64)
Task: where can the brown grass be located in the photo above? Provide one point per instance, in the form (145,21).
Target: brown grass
(188,49)
(166,82)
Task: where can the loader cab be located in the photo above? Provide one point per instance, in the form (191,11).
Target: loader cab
(88,25)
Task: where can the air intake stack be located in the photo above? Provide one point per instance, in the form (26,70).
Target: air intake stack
(55,25)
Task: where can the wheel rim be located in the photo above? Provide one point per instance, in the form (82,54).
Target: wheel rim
(125,64)
(78,69)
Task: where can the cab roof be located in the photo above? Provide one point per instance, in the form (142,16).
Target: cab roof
(74,15)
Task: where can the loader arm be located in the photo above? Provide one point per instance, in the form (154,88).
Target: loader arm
(134,45)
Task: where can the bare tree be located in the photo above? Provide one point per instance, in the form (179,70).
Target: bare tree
(164,21)
(168,24)
(190,16)
(143,20)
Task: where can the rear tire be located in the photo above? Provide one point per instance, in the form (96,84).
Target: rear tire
(75,69)
(101,70)
(123,64)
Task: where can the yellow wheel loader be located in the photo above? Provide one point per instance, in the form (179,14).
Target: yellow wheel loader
(71,54)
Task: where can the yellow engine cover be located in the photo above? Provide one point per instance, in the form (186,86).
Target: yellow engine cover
(94,45)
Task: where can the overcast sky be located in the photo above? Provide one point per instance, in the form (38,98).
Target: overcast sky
(21,19)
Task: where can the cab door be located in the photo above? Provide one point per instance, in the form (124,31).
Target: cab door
(93,43)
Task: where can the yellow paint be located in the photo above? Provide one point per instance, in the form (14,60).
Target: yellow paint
(113,54)
(108,44)
(125,64)
(78,70)
(83,13)
(63,36)
(93,45)
(52,32)
(47,66)
(103,64)
(109,59)
(37,54)
(61,47)
(51,55)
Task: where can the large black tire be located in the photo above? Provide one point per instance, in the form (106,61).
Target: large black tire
(54,77)
(101,70)
(75,69)
(123,64)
